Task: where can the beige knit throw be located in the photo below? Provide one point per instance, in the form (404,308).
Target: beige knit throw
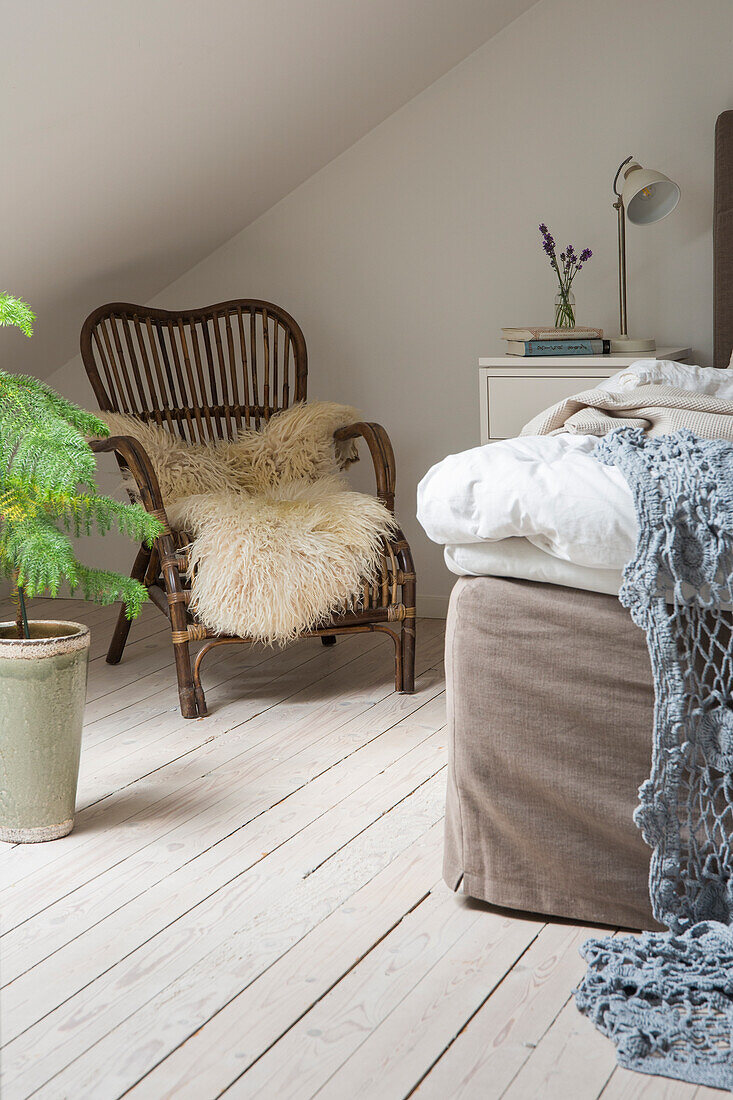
(657,410)
(279,541)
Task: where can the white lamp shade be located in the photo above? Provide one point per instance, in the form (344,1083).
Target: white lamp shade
(648,195)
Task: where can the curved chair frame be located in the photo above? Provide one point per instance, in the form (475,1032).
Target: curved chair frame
(202,374)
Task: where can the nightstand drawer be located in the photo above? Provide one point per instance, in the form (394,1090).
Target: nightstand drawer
(514,401)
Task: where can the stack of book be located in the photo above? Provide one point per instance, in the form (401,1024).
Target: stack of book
(555,341)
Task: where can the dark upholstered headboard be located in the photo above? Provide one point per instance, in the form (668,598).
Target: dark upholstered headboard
(723,242)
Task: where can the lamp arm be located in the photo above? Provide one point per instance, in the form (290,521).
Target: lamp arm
(619,208)
(618,173)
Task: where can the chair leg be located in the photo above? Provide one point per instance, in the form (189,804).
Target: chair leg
(407,651)
(407,637)
(328,639)
(203,710)
(122,629)
(187,694)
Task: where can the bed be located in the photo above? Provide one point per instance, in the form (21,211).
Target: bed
(550,704)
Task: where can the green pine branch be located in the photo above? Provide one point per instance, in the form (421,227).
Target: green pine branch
(47,489)
(40,556)
(101,586)
(85,422)
(43,439)
(14,311)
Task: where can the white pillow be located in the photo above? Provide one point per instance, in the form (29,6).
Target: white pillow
(665,372)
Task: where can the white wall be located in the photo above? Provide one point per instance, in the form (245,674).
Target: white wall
(403,257)
(140,136)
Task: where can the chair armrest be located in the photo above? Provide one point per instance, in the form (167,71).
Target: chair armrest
(382,454)
(131,455)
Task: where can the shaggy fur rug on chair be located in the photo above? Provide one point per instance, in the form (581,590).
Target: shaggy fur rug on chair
(278,540)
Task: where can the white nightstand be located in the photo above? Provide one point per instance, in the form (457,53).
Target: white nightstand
(513,388)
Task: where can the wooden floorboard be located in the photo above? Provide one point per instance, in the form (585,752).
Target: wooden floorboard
(251,905)
(495,1043)
(624,1085)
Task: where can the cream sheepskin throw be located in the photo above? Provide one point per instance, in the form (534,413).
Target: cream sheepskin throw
(279,541)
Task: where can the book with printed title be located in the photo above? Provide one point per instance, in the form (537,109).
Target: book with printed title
(529,348)
(546,333)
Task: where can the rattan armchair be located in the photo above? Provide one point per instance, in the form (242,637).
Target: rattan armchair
(203,374)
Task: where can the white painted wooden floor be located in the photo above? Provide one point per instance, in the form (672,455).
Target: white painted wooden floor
(252,905)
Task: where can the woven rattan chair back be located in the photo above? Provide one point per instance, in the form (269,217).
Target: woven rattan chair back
(202,374)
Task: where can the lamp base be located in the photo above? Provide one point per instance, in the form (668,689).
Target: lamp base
(629,345)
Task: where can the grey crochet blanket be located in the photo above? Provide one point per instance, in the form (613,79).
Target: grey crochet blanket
(666,999)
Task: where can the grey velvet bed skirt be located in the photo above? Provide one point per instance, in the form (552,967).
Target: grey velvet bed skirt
(550,705)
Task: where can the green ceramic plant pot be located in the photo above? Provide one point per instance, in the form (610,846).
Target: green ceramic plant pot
(43,683)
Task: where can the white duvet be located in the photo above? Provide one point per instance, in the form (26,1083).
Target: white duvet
(549,489)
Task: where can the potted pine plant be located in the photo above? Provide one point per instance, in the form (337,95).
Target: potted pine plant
(47,493)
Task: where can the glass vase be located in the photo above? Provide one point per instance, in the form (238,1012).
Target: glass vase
(564,309)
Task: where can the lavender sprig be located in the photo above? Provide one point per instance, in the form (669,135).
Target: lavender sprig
(568,267)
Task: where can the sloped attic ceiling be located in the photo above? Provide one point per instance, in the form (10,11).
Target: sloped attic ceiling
(139,135)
